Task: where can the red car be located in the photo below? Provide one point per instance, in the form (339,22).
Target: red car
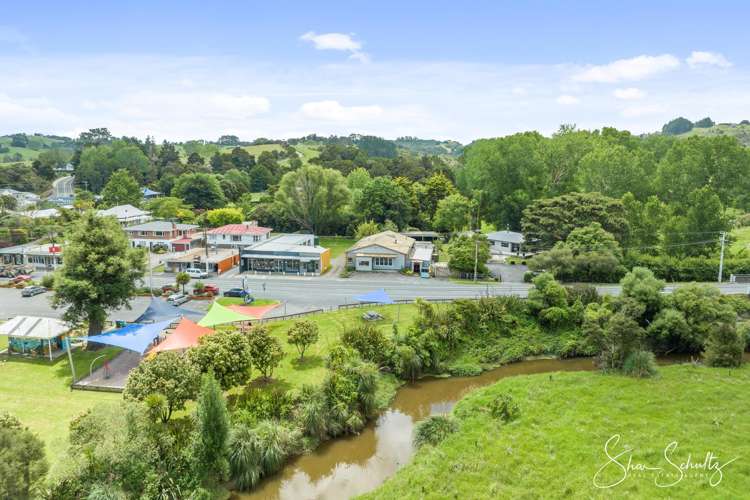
(211,288)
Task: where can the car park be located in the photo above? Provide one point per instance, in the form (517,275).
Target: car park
(30,291)
(196,273)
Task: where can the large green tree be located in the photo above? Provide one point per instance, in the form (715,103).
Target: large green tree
(100,271)
(121,189)
(22,461)
(211,437)
(313,197)
(199,190)
(454,213)
(383,199)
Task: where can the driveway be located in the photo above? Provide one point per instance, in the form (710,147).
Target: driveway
(507,273)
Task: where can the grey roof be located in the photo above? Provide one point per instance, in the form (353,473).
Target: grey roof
(33,327)
(509,236)
(283,244)
(422,252)
(160,225)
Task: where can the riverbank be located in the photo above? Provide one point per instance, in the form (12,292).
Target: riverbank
(556,446)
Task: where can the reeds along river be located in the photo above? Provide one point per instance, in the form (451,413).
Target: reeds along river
(346,467)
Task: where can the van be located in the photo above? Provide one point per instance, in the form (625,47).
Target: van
(196,273)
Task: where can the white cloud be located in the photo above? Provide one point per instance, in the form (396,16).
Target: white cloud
(636,68)
(519,91)
(337,41)
(638,111)
(334,111)
(701,58)
(567,100)
(629,94)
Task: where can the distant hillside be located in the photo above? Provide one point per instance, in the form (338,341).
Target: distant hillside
(26,147)
(682,127)
(430,146)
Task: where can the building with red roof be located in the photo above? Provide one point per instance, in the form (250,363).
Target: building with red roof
(237,235)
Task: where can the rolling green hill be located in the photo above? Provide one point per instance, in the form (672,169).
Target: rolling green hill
(738,130)
(33,145)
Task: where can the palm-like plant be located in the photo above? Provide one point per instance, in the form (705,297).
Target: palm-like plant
(244,457)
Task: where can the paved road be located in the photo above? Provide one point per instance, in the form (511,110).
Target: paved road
(305,293)
(63,187)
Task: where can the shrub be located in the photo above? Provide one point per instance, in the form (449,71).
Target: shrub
(528,276)
(724,346)
(48,281)
(505,408)
(369,341)
(640,364)
(434,429)
(198,287)
(265,350)
(301,335)
(466,369)
(259,451)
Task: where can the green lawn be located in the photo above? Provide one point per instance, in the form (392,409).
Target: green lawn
(337,244)
(38,392)
(556,446)
(741,237)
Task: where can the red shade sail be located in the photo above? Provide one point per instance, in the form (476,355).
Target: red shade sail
(256,312)
(184,336)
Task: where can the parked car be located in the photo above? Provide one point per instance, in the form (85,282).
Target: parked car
(175,296)
(20,279)
(208,287)
(30,291)
(235,292)
(196,273)
(180,300)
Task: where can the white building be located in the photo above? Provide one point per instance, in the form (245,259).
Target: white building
(23,199)
(41,257)
(390,251)
(126,214)
(506,242)
(237,235)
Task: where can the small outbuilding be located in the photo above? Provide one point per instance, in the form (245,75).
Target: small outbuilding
(35,336)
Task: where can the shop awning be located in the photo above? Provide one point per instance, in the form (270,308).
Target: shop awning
(220,315)
(186,335)
(134,337)
(376,297)
(256,312)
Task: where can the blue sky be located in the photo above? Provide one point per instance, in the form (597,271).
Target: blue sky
(189,69)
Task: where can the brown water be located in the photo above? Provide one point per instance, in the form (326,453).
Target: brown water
(346,467)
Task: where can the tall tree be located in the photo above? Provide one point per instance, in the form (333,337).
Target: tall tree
(23,464)
(199,190)
(121,189)
(313,197)
(454,213)
(382,200)
(100,271)
(210,441)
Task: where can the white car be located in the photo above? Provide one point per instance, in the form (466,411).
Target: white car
(196,273)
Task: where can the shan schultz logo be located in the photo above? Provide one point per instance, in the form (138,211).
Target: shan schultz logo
(670,471)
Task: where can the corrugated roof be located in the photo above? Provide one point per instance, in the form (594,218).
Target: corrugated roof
(240,229)
(33,327)
(160,225)
(123,211)
(387,239)
(509,236)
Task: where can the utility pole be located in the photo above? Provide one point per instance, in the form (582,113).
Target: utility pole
(476,255)
(721,255)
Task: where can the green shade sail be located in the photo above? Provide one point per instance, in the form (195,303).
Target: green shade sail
(220,315)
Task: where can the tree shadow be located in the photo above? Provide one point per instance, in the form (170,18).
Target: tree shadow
(309,362)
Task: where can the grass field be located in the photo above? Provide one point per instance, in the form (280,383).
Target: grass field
(238,301)
(337,244)
(556,446)
(38,392)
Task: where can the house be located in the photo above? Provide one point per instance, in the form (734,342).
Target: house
(45,213)
(506,242)
(390,251)
(216,260)
(126,214)
(286,253)
(149,194)
(23,199)
(42,257)
(65,169)
(237,235)
(175,237)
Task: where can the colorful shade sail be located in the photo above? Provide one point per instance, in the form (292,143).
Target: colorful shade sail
(257,312)
(186,335)
(376,297)
(134,337)
(220,315)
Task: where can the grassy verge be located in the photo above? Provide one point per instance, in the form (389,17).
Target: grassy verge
(337,244)
(38,392)
(741,239)
(237,301)
(556,446)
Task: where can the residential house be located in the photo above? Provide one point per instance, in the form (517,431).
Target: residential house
(237,235)
(506,242)
(286,253)
(42,257)
(23,199)
(172,236)
(126,215)
(390,251)
(149,194)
